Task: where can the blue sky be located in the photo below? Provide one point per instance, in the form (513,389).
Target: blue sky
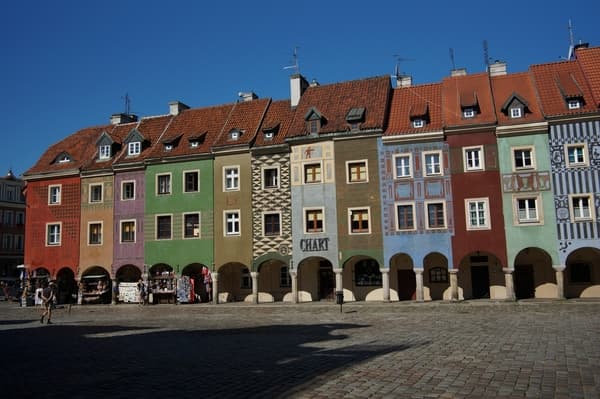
(69,64)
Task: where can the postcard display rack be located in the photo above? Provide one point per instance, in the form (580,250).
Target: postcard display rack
(162,288)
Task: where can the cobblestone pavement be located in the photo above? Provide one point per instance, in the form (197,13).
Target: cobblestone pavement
(470,349)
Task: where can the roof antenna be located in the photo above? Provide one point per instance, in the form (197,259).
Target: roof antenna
(397,71)
(127,100)
(295,65)
(486,57)
(571,42)
(452,58)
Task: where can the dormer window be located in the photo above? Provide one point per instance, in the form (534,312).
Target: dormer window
(468,112)
(313,127)
(269,135)
(134,148)
(194,143)
(354,117)
(104,152)
(314,121)
(168,147)
(196,139)
(515,106)
(516,112)
(64,158)
(574,103)
(235,134)
(417,123)
(469,104)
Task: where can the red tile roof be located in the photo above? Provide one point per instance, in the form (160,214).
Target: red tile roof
(467,91)
(505,87)
(246,116)
(333,102)
(412,101)
(556,80)
(279,118)
(151,128)
(589,61)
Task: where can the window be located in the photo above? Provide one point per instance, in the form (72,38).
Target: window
(477,211)
(468,113)
(313,126)
(359,221)
(581,207)
(405,217)
(163,227)
(134,148)
(285,280)
(576,155)
(417,123)
(234,134)
(19,242)
(190,181)
(269,135)
(20,218)
(163,184)
(436,218)
(515,112)
(574,104)
(95,192)
(127,190)
(53,234)
(54,195)
(432,163)
(104,152)
(232,223)
(246,282)
(95,233)
(367,274)
(402,166)
(191,225)
(128,231)
(271,224)
(8,217)
(231,175)
(438,275)
(357,171)
(64,158)
(7,241)
(312,173)
(194,144)
(168,147)
(313,221)
(523,158)
(473,158)
(270,177)
(527,210)
(580,273)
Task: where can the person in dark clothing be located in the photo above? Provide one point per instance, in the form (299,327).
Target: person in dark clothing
(48,295)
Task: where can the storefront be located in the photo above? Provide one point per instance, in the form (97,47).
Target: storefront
(162,284)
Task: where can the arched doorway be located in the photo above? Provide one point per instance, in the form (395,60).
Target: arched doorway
(95,286)
(582,273)
(274,280)
(436,281)
(316,280)
(405,281)
(66,286)
(235,282)
(363,277)
(192,284)
(481,276)
(534,276)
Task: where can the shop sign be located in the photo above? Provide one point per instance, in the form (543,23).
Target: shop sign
(314,244)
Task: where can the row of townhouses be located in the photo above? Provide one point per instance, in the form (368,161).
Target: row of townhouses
(483,185)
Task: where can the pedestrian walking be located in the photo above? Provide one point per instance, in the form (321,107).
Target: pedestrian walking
(142,291)
(48,295)
(207,283)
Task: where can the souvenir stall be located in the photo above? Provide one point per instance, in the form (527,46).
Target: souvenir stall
(95,288)
(162,285)
(185,290)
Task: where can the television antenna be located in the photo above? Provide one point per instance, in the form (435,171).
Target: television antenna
(397,71)
(127,101)
(452,58)
(295,65)
(486,56)
(571,41)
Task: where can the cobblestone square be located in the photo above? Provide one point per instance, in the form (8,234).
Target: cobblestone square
(470,349)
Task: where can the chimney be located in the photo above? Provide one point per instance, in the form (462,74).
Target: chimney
(298,85)
(498,68)
(403,81)
(175,107)
(247,96)
(117,119)
(458,72)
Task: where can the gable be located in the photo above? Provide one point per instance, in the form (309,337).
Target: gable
(134,136)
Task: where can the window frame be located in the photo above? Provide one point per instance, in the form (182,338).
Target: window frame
(515,112)
(438,278)
(264,178)
(184,226)
(573,103)
(264,224)
(359,231)
(159,186)
(98,236)
(104,152)
(123,190)
(133,232)
(428,225)
(426,165)
(315,166)
(236,223)
(584,154)
(54,191)
(487,225)
(362,277)
(317,211)
(233,178)
(522,149)
(538,209)
(157,229)
(478,149)
(134,148)
(361,164)
(418,123)
(397,216)
(196,184)
(410,165)
(91,195)
(57,241)
(468,112)
(285,280)
(573,210)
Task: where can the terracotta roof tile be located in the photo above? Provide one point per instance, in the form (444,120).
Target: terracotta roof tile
(554,81)
(246,117)
(405,99)
(459,92)
(278,118)
(589,61)
(333,102)
(519,85)
(151,128)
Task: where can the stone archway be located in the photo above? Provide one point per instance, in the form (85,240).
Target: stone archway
(533,274)
(582,273)
(436,279)
(403,284)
